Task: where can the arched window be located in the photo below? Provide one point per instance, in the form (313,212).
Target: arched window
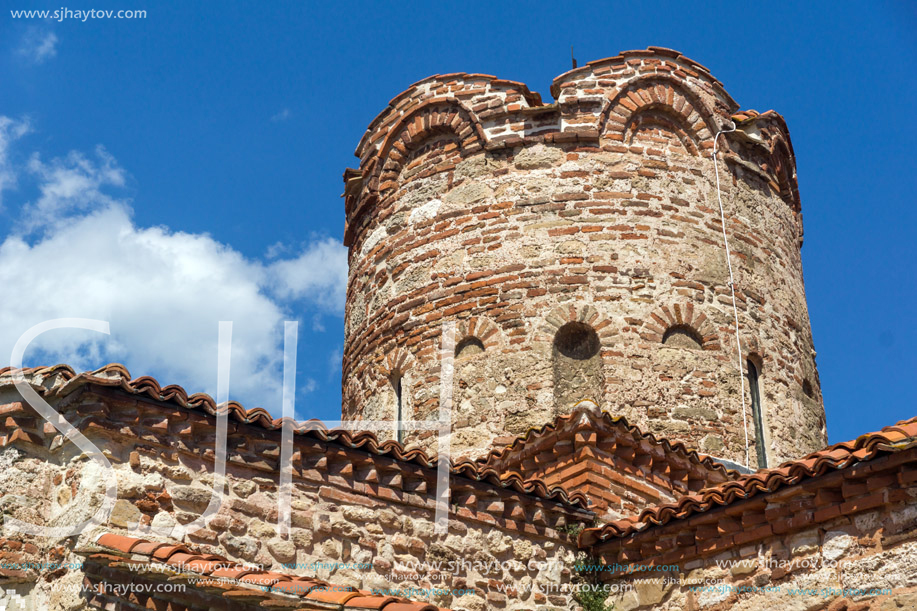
(755,392)
(683,336)
(807,389)
(577,364)
(399,407)
(468,347)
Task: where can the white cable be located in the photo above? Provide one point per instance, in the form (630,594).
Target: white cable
(732,287)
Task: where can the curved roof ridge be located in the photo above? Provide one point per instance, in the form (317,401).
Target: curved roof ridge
(117,376)
(899,436)
(676,447)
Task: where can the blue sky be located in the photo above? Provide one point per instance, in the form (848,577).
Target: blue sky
(173,171)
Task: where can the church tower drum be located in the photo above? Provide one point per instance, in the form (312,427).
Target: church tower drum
(578,248)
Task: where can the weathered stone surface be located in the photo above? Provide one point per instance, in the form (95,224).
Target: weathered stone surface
(244,488)
(191,498)
(900,602)
(281,549)
(245,548)
(694,413)
(538,156)
(123,514)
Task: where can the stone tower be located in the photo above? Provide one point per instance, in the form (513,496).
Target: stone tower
(578,247)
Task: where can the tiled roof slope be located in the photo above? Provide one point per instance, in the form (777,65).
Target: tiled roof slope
(896,438)
(61,380)
(237,582)
(516,448)
(621,469)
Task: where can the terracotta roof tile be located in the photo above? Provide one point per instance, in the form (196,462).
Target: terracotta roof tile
(264,579)
(146,548)
(332,594)
(164,553)
(497,456)
(204,567)
(119,542)
(236,580)
(399,606)
(179,559)
(901,436)
(232,572)
(297,586)
(369,602)
(60,380)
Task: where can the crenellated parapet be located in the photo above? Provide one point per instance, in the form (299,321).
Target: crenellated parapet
(605,103)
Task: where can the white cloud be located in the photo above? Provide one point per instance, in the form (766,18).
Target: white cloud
(319,273)
(71,184)
(283,115)
(10,131)
(38,45)
(163,291)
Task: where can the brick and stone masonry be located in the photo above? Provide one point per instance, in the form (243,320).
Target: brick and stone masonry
(578,246)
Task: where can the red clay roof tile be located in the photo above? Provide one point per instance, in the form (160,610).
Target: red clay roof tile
(229,576)
(180,558)
(573,422)
(835,457)
(369,602)
(297,586)
(145,549)
(204,567)
(164,553)
(264,578)
(65,380)
(233,572)
(331,594)
(119,542)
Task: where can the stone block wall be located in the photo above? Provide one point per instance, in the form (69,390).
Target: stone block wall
(578,248)
(844,541)
(352,503)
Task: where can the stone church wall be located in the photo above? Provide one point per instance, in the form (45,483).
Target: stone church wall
(846,541)
(350,508)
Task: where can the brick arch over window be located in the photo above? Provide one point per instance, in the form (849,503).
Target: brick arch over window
(680,316)
(396,361)
(574,336)
(666,99)
(751,350)
(584,313)
(482,328)
(436,118)
(659,118)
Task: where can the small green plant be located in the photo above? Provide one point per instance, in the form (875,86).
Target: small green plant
(573,530)
(594,600)
(586,571)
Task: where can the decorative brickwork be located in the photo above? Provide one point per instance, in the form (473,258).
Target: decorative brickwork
(617,467)
(680,316)
(810,533)
(474,200)
(355,500)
